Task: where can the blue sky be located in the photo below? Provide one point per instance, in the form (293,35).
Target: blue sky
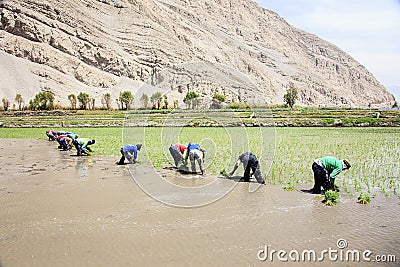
(368,30)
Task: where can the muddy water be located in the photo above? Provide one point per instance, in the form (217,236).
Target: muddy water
(60,210)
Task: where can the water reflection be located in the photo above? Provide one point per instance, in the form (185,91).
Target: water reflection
(82,165)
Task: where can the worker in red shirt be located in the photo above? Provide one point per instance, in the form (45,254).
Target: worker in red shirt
(177,151)
(66,143)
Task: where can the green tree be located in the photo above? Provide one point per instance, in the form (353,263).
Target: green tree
(217,101)
(42,101)
(126,97)
(19,100)
(83,99)
(291,95)
(72,100)
(145,100)
(176,102)
(191,99)
(6,103)
(219,97)
(156,98)
(106,101)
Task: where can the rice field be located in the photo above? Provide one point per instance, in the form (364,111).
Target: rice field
(286,154)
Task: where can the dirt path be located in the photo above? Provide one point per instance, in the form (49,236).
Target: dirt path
(59,210)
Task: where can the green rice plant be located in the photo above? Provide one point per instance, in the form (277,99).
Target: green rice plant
(289,187)
(371,151)
(396,191)
(331,198)
(364,198)
(223,173)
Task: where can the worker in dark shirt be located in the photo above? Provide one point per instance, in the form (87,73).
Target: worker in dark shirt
(250,162)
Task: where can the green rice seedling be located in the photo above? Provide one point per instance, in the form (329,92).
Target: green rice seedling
(223,173)
(331,198)
(368,149)
(289,187)
(364,198)
(396,191)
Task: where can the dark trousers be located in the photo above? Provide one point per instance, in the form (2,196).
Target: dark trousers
(122,159)
(256,172)
(255,168)
(64,144)
(246,176)
(321,178)
(78,148)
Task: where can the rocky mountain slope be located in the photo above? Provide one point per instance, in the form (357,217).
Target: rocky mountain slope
(233,47)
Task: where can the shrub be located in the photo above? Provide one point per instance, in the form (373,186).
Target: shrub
(236,105)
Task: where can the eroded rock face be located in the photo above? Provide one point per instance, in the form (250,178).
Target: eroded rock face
(106,46)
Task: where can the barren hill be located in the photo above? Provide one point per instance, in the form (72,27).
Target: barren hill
(233,47)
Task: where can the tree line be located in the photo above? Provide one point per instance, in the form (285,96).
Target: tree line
(45,100)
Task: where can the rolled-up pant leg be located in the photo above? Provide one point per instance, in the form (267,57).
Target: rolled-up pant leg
(176,155)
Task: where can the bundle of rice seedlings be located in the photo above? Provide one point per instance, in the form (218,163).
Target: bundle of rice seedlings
(331,198)
(364,198)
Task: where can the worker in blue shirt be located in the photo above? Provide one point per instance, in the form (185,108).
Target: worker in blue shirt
(195,152)
(130,153)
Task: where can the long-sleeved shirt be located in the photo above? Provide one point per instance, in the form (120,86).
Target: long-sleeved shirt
(131,149)
(84,142)
(333,165)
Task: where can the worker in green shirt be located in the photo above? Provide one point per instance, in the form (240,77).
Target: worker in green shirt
(325,171)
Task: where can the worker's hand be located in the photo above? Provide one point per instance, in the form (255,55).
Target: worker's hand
(230,174)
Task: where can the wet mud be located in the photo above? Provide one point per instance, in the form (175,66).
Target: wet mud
(58,210)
